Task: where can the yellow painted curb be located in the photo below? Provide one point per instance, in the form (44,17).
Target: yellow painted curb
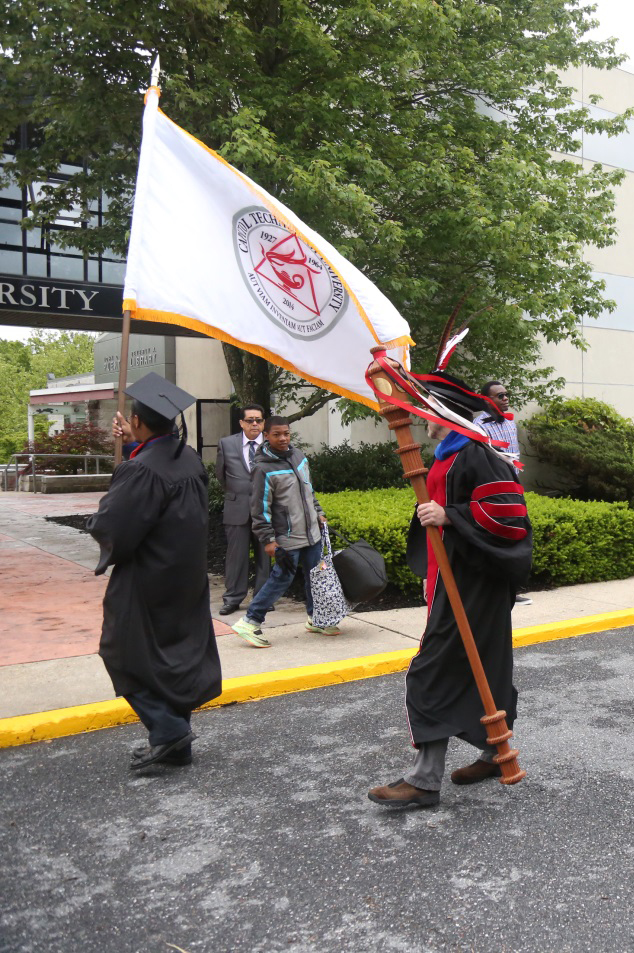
(61,722)
(571,627)
(45,725)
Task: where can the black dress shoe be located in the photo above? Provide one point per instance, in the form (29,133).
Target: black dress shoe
(227,609)
(153,754)
(176,758)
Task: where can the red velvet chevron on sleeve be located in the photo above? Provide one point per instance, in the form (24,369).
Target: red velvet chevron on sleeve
(499,508)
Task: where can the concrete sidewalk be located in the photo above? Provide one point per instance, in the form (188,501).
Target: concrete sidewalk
(51,616)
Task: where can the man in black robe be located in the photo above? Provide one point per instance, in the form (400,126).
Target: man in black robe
(157,641)
(478,505)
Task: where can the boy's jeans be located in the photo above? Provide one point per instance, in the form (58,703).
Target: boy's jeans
(280,579)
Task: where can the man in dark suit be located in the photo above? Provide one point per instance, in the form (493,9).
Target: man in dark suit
(233,469)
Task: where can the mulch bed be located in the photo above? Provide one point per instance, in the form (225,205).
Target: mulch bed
(390,598)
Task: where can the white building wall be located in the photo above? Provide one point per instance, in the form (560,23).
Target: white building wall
(604,371)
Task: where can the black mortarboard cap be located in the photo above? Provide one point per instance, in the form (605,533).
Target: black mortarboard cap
(160,395)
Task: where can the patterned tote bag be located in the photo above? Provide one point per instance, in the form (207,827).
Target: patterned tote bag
(329,604)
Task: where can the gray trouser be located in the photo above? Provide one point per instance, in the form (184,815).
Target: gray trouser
(429,764)
(239,539)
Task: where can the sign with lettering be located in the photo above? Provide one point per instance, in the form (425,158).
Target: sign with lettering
(49,296)
(139,357)
(146,352)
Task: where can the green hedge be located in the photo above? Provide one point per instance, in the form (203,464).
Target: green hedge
(369,466)
(575,541)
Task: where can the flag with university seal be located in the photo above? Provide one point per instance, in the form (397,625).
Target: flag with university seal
(212,251)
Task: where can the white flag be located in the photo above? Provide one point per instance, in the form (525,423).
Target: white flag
(212,251)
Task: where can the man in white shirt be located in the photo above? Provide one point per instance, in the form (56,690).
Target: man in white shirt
(496,424)
(233,469)
(501,429)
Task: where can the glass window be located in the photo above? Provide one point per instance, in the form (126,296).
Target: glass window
(13,212)
(10,234)
(10,262)
(34,238)
(36,265)
(93,270)
(113,272)
(11,191)
(71,268)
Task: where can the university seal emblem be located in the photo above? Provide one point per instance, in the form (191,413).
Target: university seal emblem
(289,281)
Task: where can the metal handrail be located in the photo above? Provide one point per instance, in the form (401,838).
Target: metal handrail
(32,457)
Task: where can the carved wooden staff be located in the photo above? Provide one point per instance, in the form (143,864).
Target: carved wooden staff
(399,421)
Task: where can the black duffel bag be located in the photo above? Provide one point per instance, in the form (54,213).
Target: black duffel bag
(361,570)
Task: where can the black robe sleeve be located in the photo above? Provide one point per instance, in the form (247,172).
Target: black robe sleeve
(489,520)
(129,510)
(488,517)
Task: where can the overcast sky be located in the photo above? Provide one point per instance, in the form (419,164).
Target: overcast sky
(616,18)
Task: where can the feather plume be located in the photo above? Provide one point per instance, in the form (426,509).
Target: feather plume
(448,329)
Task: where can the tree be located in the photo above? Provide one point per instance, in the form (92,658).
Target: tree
(24,366)
(422,138)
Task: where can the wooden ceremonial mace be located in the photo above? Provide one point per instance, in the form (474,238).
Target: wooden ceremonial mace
(399,421)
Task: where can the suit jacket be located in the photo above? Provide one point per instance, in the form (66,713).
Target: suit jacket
(235,480)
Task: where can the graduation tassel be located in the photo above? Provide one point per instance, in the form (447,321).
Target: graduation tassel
(183,440)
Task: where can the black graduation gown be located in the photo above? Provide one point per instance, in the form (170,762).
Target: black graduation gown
(489,544)
(152,527)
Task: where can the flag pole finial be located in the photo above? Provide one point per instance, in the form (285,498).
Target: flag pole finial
(156,69)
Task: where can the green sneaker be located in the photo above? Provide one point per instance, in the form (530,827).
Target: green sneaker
(251,633)
(322,629)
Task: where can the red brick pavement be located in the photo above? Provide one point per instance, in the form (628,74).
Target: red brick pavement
(50,607)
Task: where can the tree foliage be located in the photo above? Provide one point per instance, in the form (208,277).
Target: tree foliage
(590,445)
(24,367)
(424,138)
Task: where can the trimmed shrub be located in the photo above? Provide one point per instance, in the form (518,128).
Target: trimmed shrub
(367,467)
(577,541)
(574,541)
(590,444)
(74,439)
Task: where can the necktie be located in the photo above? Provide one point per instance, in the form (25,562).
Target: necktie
(251,453)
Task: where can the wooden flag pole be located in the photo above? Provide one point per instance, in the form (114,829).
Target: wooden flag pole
(123,380)
(399,421)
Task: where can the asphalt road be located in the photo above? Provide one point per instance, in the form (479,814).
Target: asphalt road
(268,842)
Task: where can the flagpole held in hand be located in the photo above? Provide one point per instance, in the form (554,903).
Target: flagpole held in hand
(123,380)
(125,330)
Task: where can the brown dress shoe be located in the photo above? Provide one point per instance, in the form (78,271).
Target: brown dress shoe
(401,794)
(478,771)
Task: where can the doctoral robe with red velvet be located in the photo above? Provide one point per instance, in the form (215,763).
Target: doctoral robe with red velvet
(489,544)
